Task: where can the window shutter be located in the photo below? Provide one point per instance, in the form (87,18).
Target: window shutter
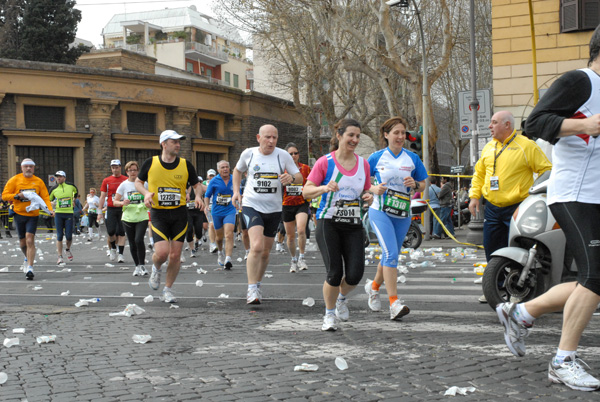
(590,14)
(569,15)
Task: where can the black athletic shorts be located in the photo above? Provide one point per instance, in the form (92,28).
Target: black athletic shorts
(268,221)
(169,224)
(114,226)
(290,211)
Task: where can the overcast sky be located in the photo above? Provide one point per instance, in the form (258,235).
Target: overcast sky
(95,14)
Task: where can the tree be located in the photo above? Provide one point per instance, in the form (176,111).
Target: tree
(41,31)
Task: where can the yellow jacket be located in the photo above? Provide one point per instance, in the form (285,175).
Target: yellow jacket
(514,168)
(19,183)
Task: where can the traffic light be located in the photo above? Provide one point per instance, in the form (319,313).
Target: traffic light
(416,141)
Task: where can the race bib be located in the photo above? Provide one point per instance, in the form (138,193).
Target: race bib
(396,203)
(135,197)
(168,197)
(223,199)
(266,183)
(91,210)
(191,205)
(294,189)
(348,212)
(64,202)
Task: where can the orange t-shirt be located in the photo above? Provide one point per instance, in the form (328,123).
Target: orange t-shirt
(295,190)
(18,184)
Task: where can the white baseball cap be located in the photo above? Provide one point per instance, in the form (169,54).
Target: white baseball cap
(60,173)
(170,135)
(211,172)
(115,162)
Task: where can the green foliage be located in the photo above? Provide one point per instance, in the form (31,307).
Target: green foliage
(160,35)
(134,39)
(181,35)
(41,31)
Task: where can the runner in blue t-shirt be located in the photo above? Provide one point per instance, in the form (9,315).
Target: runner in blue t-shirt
(223,212)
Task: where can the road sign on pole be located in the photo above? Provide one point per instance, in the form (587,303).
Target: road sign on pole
(457,169)
(465,116)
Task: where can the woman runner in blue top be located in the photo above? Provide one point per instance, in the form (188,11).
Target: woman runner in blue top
(395,171)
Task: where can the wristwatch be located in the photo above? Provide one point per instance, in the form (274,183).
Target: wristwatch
(417,185)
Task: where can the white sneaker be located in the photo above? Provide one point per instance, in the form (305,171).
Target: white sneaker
(29,273)
(293,266)
(168,296)
(181,258)
(246,255)
(136,271)
(329,322)
(143,271)
(373,296)
(112,254)
(302,264)
(154,281)
(228,264)
(120,258)
(213,248)
(253,296)
(192,253)
(573,375)
(60,260)
(220,259)
(341,310)
(514,331)
(398,310)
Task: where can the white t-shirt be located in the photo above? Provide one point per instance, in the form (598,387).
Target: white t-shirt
(263,191)
(93,204)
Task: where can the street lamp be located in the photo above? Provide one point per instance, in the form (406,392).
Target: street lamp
(404,4)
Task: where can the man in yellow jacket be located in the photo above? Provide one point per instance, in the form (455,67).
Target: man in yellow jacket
(503,175)
(16,189)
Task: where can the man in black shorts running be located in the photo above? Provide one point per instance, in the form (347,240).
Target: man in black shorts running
(167,176)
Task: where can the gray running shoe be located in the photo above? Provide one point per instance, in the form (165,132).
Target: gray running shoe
(514,331)
(154,281)
(168,296)
(573,375)
(341,310)
(373,297)
(398,310)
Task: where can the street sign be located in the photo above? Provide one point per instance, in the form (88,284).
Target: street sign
(457,169)
(484,113)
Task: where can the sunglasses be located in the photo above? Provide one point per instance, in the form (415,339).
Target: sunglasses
(294,153)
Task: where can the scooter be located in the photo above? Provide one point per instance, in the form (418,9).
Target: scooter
(536,258)
(414,235)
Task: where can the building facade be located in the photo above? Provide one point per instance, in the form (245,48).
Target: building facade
(562,32)
(78,118)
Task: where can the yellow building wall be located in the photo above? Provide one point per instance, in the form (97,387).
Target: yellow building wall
(512,56)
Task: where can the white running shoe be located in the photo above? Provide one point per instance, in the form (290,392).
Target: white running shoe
(69,255)
(213,248)
(293,266)
(143,271)
(514,331)
(573,375)
(112,254)
(60,260)
(373,296)
(29,273)
(168,296)
(120,258)
(221,258)
(341,310)
(154,281)
(302,264)
(329,322)
(228,264)
(246,255)
(136,271)
(253,296)
(181,258)
(398,310)
(192,253)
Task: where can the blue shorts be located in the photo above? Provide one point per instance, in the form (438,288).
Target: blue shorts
(269,222)
(390,233)
(25,224)
(219,221)
(64,222)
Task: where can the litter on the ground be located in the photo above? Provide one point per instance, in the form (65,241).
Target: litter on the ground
(141,338)
(8,342)
(306,367)
(452,391)
(309,301)
(131,309)
(46,338)
(340,363)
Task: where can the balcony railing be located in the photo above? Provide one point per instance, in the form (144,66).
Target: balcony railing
(207,51)
(136,48)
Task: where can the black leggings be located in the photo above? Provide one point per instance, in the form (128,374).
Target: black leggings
(92,220)
(195,221)
(579,222)
(135,235)
(342,246)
